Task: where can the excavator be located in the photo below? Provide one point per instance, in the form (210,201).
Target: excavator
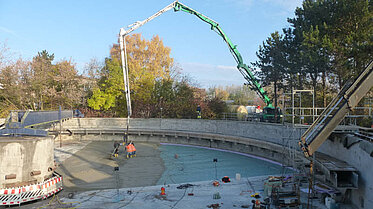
(269,114)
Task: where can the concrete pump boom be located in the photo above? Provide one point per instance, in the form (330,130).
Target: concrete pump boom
(243,68)
(177,6)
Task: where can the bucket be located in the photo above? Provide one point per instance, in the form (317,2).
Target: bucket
(330,203)
(238,176)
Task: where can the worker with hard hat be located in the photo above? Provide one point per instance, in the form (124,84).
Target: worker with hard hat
(129,150)
(133,149)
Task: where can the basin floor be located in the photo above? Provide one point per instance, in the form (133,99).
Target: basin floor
(92,167)
(89,175)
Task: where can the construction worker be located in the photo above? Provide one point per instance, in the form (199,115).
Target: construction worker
(125,136)
(129,150)
(256,204)
(199,114)
(133,149)
(116,149)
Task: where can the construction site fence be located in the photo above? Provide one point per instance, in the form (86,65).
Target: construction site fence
(23,194)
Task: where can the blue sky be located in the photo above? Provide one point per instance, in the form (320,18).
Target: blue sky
(81,30)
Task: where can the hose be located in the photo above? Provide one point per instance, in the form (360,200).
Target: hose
(61,203)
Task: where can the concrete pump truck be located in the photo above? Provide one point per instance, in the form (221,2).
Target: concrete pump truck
(269,114)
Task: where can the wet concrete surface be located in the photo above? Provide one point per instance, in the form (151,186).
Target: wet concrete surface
(88,166)
(92,168)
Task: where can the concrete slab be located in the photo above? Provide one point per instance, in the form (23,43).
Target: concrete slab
(92,167)
(87,159)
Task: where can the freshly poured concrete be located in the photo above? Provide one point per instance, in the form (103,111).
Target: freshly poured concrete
(92,168)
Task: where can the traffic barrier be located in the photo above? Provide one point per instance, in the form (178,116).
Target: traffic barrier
(18,195)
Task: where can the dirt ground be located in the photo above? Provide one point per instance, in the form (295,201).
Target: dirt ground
(91,168)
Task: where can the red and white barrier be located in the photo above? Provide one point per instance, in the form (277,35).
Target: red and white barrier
(18,195)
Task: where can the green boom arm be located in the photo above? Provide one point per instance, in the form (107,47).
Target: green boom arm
(243,68)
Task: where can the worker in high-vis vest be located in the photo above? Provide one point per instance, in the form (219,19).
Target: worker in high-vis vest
(133,149)
(256,204)
(129,150)
(199,112)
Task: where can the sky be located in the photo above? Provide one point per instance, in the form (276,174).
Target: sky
(84,29)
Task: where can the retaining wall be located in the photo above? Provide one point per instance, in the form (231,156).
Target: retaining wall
(262,139)
(274,133)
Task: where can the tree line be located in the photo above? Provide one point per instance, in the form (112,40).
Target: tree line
(158,89)
(37,84)
(327,43)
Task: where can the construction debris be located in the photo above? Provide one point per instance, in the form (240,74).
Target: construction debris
(214,206)
(184,186)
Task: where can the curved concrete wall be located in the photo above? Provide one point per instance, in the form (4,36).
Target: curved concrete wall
(357,155)
(262,139)
(274,133)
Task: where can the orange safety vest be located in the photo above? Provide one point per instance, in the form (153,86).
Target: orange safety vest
(133,147)
(257,204)
(129,148)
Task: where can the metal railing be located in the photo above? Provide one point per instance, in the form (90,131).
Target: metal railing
(305,115)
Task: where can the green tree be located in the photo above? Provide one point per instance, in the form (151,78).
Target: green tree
(148,61)
(315,57)
(41,67)
(339,29)
(271,62)
(329,42)
(110,86)
(217,107)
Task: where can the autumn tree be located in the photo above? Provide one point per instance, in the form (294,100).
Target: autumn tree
(54,84)
(217,107)
(148,61)
(66,84)
(218,92)
(38,84)
(13,87)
